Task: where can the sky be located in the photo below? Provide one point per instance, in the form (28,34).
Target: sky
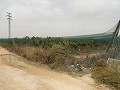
(58,17)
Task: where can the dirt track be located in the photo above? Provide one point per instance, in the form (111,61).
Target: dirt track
(17,75)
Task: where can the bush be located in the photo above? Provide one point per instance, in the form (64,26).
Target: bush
(36,54)
(56,56)
(107,74)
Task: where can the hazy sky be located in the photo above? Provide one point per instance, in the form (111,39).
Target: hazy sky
(58,17)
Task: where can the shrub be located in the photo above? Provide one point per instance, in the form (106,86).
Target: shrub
(57,55)
(36,54)
(107,74)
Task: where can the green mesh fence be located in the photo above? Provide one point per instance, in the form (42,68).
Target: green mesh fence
(102,36)
(111,35)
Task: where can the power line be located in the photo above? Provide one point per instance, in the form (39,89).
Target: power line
(9,16)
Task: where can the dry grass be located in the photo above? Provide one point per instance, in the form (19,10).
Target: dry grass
(107,74)
(36,54)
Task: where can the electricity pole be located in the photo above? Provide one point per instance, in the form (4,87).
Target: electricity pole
(9,16)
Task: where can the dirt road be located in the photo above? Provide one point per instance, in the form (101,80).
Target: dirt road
(17,75)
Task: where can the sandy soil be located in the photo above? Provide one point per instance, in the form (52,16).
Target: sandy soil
(17,75)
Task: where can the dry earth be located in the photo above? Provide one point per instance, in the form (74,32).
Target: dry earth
(18,75)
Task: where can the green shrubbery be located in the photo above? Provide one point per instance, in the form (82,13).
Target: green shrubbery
(75,46)
(107,74)
(57,55)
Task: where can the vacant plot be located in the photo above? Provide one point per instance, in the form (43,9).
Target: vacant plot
(16,75)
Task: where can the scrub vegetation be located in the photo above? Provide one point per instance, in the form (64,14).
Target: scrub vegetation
(107,74)
(55,51)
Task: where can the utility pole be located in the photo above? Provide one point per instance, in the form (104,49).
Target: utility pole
(9,16)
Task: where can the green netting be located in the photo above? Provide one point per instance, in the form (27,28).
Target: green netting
(111,35)
(102,36)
